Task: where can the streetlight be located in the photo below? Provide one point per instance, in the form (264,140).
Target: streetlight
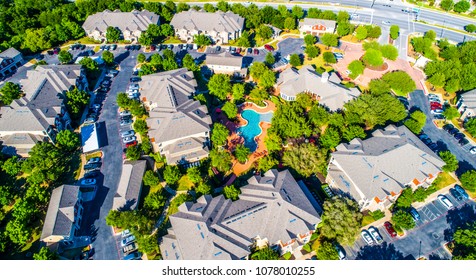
(419,251)
(442,29)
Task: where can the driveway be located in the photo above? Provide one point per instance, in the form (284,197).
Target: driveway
(94,223)
(427,239)
(444,140)
(289,46)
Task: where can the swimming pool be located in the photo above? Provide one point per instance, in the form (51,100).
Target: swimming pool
(252,129)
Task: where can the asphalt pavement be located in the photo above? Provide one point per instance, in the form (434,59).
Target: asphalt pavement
(444,140)
(94,223)
(427,239)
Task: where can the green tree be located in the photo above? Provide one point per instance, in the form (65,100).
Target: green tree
(378,87)
(329,58)
(416,122)
(447,5)
(343,16)
(399,81)
(471,28)
(238,91)
(329,40)
(389,52)
(45,254)
(76,101)
(133,152)
(297,12)
(437,80)
(219,85)
(203,188)
(265,254)
(295,60)
(221,160)
(65,57)
(67,140)
(430,35)
(154,30)
(451,113)
(402,220)
(231,192)
(151,178)
(345,28)
(353,131)
(145,39)
(373,58)
(361,33)
(230,110)
(267,80)
(451,162)
(468,180)
(405,199)
(273,142)
(166,30)
(373,31)
(223,6)
(219,134)
(202,40)
(356,68)
(327,251)
(309,40)
(141,58)
(241,153)
(470,126)
(18,231)
(90,65)
(209,8)
(172,174)
(264,31)
(244,40)
(113,34)
(306,159)
(266,163)
(11,166)
(341,220)
(9,92)
(394,32)
(331,138)
(420,194)
(465,243)
(194,175)
(462,6)
(269,58)
(154,201)
(289,23)
(312,51)
(140,126)
(189,63)
(108,57)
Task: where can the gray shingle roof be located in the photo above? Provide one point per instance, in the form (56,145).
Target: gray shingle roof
(469,99)
(382,164)
(327,86)
(203,21)
(313,21)
(133,21)
(273,207)
(130,185)
(60,215)
(224,59)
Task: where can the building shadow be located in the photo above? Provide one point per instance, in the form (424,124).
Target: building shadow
(102,134)
(383,251)
(463,167)
(121,57)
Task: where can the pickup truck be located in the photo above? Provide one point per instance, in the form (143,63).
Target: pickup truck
(129,248)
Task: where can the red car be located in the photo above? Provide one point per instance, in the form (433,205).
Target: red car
(152,47)
(436,104)
(390,229)
(130,144)
(269,48)
(238,50)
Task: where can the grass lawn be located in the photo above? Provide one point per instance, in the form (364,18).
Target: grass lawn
(316,244)
(95,154)
(367,219)
(184,184)
(443,180)
(260,42)
(176,202)
(350,38)
(172,40)
(399,93)
(317,62)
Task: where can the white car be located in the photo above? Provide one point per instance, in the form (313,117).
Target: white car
(127,133)
(125,233)
(354,16)
(128,240)
(348,72)
(386,22)
(436,111)
(367,238)
(129,139)
(133,87)
(445,201)
(124,113)
(93,160)
(341,253)
(87,182)
(376,236)
(473,150)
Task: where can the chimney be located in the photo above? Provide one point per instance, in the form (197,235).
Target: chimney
(324,77)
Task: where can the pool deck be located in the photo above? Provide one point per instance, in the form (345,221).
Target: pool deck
(235,139)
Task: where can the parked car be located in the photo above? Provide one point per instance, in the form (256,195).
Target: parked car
(445,201)
(269,48)
(171,47)
(133,256)
(256,51)
(127,133)
(124,113)
(367,238)
(88,181)
(129,248)
(303,47)
(473,150)
(433,146)
(340,253)
(125,233)
(94,160)
(458,136)
(463,141)
(456,194)
(113,71)
(89,120)
(131,144)
(376,235)
(436,111)
(153,47)
(447,127)
(233,49)
(423,136)
(92,166)
(250,50)
(389,227)
(91,174)
(415,214)
(134,86)
(113,47)
(438,117)
(338,55)
(128,240)
(126,122)
(238,50)
(129,139)
(459,189)
(135,79)
(453,131)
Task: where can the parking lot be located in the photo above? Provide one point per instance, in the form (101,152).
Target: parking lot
(427,239)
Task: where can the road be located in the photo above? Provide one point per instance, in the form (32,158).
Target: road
(444,140)
(432,231)
(94,222)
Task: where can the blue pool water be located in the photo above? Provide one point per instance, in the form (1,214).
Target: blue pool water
(252,129)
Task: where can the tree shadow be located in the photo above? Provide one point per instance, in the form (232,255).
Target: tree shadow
(383,251)
(435,257)
(463,167)
(121,57)
(458,218)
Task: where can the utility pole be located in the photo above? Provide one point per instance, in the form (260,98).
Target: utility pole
(442,29)
(372,17)
(373,2)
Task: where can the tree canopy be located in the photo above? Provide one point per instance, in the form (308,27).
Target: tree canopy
(416,121)
(399,81)
(468,180)
(327,251)
(241,153)
(221,160)
(306,159)
(451,162)
(220,86)
(465,243)
(9,92)
(341,220)
(231,192)
(171,174)
(219,134)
